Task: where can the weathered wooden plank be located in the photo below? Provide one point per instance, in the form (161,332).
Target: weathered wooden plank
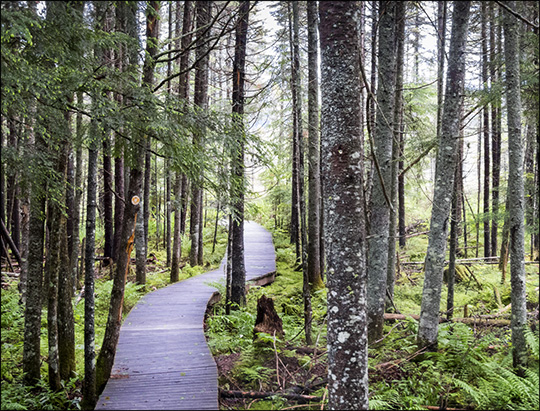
(162,360)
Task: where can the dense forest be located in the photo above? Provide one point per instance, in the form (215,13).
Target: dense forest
(390,147)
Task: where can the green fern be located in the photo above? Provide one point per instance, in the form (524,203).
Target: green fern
(532,341)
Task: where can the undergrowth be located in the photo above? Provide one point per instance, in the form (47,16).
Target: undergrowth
(15,396)
(472,368)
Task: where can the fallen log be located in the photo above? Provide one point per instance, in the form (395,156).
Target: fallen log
(10,242)
(262,394)
(468,320)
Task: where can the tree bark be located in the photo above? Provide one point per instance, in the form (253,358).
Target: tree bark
(177,239)
(444,178)
(108,222)
(200,99)
(238,270)
(377,258)
(485,121)
(495,131)
(342,159)
(32,314)
(397,137)
(89,385)
(515,191)
(295,211)
(314,177)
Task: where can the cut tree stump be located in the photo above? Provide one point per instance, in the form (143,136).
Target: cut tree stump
(268,320)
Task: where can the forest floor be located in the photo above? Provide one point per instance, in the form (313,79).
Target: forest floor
(471,370)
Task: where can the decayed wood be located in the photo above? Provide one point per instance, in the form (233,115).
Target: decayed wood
(263,394)
(469,320)
(268,320)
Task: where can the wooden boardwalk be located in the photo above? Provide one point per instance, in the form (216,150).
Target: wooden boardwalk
(162,361)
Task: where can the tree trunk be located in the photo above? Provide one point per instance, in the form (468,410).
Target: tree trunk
(140,253)
(530,149)
(485,120)
(397,132)
(342,159)
(444,179)
(108,194)
(515,191)
(177,239)
(89,386)
(32,315)
(200,99)
(13,223)
(238,270)
(146,197)
(295,211)
(495,132)
(314,178)
(306,295)
(377,258)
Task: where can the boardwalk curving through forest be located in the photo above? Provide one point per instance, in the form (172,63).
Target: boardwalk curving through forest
(162,360)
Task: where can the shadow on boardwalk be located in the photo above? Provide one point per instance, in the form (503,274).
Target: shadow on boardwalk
(162,361)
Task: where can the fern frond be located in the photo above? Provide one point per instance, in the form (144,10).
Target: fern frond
(532,341)
(476,394)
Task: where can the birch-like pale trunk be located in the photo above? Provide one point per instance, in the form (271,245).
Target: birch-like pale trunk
(342,159)
(444,179)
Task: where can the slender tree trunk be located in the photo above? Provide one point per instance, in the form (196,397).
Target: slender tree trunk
(200,100)
(306,294)
(228,275)
(441,52)
(314,178)
(14,221)
(89,385)
(530,149)
(66,321)
(454,225)
(295,211)
(371,104)
(145,202)
(108,192)
(444,179)
(177,239)
(238,270)
(485,120)
(377,258)
(32,315)
(119,171)
(397,132)
(505,241)
(25,204)
(515,191)
(495,133)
